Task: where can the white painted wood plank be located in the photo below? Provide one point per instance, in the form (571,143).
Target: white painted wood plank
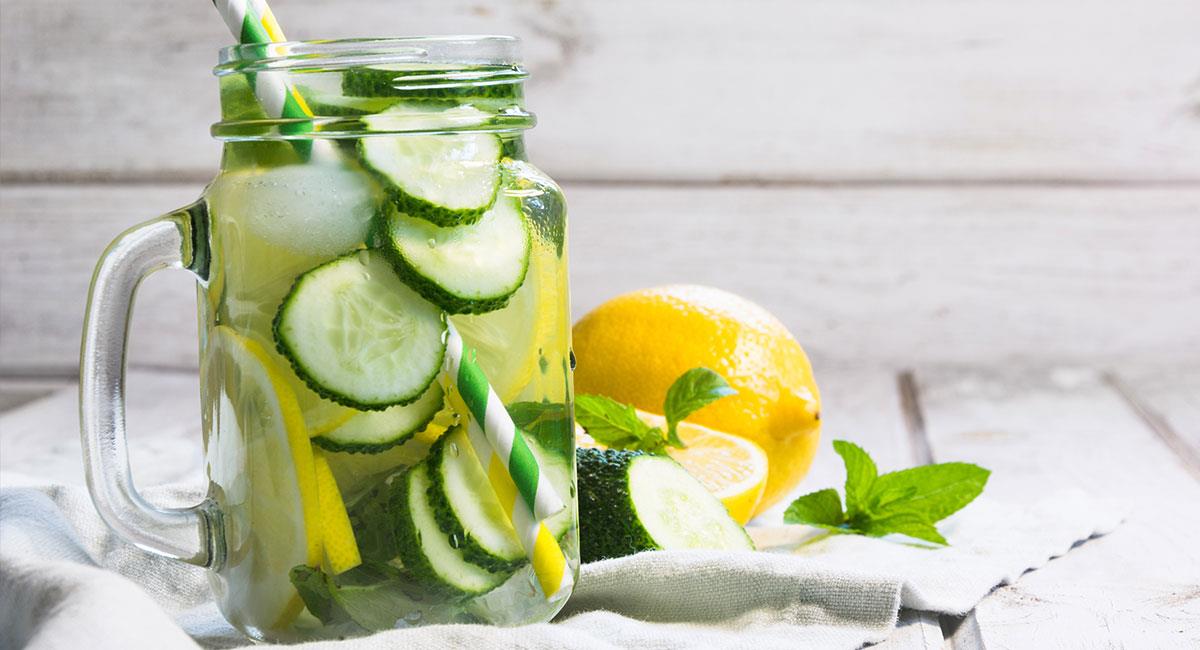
(893,276)
(1135,587)
(765,89)
(39,442)
(1170,394)
(50,239)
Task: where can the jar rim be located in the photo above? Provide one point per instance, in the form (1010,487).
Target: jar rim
(350,52)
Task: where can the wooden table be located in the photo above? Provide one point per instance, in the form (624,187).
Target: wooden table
(981,219)
(1133,437)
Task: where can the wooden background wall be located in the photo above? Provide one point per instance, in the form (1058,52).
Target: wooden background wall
(930,181)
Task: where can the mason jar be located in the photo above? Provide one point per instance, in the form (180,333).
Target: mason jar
(384,346)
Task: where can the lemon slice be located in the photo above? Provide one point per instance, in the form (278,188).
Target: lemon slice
(509,341)
(341,549)
(262,462)
(733,469)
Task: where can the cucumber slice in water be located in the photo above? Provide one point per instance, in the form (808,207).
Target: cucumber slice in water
(423,81)
(428,552)
(371,432)
(339,105)
(633,501)
(449,178)
(356,334)
(466,507)
(464,269)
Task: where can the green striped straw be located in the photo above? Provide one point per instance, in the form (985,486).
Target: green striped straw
(512,469)
(253,22)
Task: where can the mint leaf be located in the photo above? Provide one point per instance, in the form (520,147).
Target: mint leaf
(616,425)
(906,502)
(933,491)
(860,476)
(904,523)
(316,590)
(821,508)
(692,391)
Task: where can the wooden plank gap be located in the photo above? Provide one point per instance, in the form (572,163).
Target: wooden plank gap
(1184,452)
(960,633)
(914,418)
(167,177)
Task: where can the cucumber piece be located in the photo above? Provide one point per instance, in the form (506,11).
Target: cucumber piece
(357,335)
(336,104)
(423,81)
(464,269)
(371,432)
(425,550)
(633,501)
(466,507)
(448,178)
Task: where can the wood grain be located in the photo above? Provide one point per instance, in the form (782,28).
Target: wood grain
(673,90)
(891,276)
(1138,586)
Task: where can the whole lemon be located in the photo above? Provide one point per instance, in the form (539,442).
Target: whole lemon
(634,346)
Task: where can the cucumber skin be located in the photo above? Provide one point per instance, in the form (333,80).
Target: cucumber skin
(449,524)
(608,522)
(417,207)
(432,291)
(408,542)
(309,379)
(333,445)
(374,82)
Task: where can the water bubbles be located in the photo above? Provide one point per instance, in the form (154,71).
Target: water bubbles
(572,491)
(455,542)
(412,617)
(431,242)
(454,449)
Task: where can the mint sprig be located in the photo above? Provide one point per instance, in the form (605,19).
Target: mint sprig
(617,426)
(906,502)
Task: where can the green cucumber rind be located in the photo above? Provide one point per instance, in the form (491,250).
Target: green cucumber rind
(408,540)
(332,445)
(376,82)
(329,444)
(408,545)
(608,522)
(309,378)
(448,521)
(416,206)
(435,293)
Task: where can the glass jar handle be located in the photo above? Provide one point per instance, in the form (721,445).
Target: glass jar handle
(170,241)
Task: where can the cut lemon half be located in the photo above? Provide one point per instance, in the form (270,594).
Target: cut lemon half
(732,468)
(269,486)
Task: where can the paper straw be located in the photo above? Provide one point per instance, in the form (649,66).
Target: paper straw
(527,497)
(253,22)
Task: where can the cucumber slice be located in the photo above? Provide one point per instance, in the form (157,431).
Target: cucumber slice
(465,269)
(423,81)
(428,552)
(466,508)
(357,335)
(371,432)
(449,178)
(632,501)
(336,104)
